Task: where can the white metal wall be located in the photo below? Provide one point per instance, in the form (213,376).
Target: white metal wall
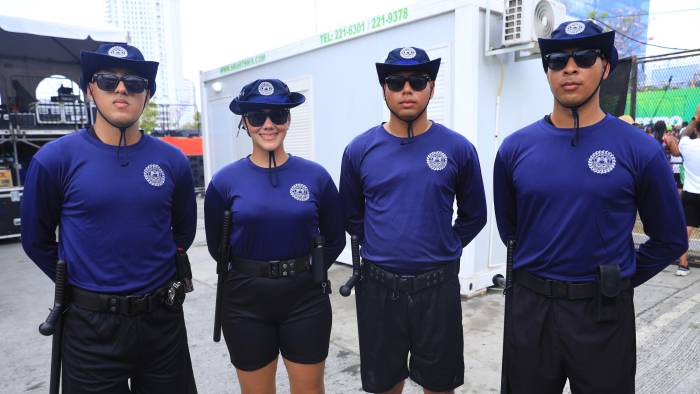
(344,99)
(300,137)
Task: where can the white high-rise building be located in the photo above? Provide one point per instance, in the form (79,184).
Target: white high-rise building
(154,28)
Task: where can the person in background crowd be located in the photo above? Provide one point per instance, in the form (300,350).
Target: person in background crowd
(689,149)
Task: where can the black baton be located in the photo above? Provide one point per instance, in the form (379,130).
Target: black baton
(53,325)
(221,270)
(318,266)
(507,285)
(356,267)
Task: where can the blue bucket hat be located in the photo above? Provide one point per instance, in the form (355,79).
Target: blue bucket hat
(407,59)
(116,55)
(265,94)
(580,35)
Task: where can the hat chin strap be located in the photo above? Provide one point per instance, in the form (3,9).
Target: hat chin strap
(574,109)
(271,159)
(409,122)
(272,163)
(122,129)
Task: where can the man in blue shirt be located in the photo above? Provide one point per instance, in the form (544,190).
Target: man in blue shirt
(567,189)
(124,205)
(398,184)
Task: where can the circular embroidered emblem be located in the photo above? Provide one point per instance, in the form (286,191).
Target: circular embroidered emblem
(437,161)
(408,53)
(299,192)
(266,88)
(154,175)
(574,28)
(117,51)
(601,162)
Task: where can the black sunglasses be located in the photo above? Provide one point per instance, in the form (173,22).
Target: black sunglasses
(584,58)
(395,83)
(109,82)
(277,116)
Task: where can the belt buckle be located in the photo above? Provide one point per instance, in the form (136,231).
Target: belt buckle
(558,289)
(134,303)
(405,283)
(274,269)
(114,302)
(286,268)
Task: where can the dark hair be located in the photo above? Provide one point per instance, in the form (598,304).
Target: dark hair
(660,126)
(659,130)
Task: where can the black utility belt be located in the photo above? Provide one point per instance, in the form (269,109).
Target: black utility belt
(170,295)
(558,289)
(409,283)
(271,269)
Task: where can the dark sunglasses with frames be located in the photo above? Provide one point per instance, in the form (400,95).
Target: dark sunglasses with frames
(109,82)
(395,83)
(583,58)
(277,116)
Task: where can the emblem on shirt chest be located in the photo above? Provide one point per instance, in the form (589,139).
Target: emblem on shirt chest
(437,160)
(601,162)
(299,192)
(154,175)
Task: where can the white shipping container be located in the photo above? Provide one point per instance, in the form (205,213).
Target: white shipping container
(480,96)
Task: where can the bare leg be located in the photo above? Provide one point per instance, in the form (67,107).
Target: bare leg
(260,381)
(396,389)
(426,391)
(683,260)
(305,378)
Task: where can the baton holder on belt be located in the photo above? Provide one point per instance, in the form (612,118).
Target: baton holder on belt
(318,265)
(184,269)
(610,285)
(356,267)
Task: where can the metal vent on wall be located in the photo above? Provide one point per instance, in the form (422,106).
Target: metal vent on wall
(512,20)
(524,21)
(545,19)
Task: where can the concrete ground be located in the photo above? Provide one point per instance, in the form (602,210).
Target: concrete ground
(667,307)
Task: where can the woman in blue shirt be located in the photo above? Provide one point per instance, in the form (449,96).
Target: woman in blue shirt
(279,204)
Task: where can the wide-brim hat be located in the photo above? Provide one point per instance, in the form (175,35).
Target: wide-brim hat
(580,35)
(407,59)
(265,94)
(115,55)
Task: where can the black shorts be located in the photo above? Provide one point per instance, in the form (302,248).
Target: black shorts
(426,324)
(264,317)
(103,351)
(691,206)
(552,339)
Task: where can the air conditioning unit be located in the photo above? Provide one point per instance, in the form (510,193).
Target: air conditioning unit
(525,21)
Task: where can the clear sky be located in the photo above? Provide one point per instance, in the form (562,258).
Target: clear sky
(215,33)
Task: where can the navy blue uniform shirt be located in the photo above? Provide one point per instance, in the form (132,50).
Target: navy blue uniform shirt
(119,226)
(275,223)
(398,197)
(571,209)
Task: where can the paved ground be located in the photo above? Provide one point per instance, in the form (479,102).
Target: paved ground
(668,332)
